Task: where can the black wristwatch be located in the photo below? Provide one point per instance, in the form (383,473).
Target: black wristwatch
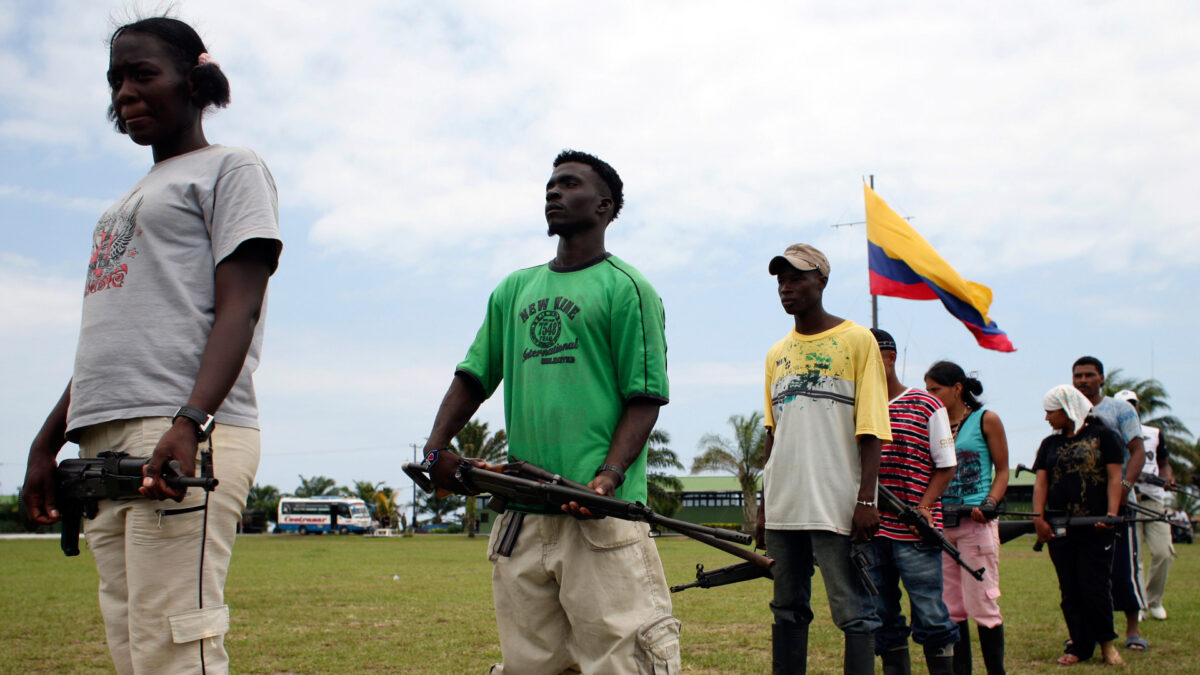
(615,469)
(204,422)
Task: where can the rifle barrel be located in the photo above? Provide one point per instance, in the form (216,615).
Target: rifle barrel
(554,493)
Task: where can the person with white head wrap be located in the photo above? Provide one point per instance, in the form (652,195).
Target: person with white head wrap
(1078,470)
(1067,398)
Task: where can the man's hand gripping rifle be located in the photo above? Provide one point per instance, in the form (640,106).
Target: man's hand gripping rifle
(913,518)
(1151,479)
(533,486)
(80,484)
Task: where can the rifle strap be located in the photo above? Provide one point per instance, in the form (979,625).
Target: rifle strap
(508,539)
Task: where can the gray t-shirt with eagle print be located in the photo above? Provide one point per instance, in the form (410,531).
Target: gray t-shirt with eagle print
(149,297)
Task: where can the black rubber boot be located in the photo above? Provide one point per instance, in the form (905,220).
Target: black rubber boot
(860,654)
(896,661)
(940,660)
(962,650)
(991,643)
(789,649)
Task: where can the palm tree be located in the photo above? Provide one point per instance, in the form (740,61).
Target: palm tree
(743,457)
(264,498)
(364,490)
(317,486)
(473,441)
(1152,409)
(663,490)
(387,506)
(439,507)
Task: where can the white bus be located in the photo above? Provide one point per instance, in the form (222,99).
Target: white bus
(323,514)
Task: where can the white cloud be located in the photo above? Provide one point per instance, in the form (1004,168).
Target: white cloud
(415,128)
(36,301)
(84,204)
(1036,146)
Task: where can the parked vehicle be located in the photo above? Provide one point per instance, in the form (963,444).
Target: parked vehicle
(323,514)
(254,521)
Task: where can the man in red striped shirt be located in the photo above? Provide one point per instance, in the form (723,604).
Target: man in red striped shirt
(916,465)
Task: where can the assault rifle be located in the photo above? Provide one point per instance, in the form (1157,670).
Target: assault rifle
(745,571)
(952,514)
(80,484)
(911,517)
(730,574)
(1060,522)
(532,486)
(1151,479)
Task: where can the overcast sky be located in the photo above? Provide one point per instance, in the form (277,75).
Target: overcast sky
(1048,151)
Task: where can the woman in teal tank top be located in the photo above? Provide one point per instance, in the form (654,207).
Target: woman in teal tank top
(981,479)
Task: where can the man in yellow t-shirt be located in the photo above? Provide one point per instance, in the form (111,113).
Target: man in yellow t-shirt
(826,416)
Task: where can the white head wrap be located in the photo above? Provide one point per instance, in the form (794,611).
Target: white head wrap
(1065,397)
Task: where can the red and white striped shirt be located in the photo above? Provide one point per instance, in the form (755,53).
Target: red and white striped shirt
(921,441)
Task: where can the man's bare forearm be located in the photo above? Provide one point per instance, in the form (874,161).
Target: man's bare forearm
(461,401)
(633,429)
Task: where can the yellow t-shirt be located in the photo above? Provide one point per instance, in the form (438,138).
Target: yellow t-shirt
(822,392)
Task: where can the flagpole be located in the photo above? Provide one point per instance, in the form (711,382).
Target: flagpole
(874,298)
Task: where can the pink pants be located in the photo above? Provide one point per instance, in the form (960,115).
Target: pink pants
(966,597)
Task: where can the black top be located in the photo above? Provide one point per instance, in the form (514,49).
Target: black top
(1078,470)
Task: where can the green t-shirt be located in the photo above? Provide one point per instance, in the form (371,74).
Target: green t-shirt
(572,346)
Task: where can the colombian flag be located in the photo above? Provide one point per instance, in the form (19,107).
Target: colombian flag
(904,265)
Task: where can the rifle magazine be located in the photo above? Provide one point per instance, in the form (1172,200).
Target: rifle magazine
(508,536)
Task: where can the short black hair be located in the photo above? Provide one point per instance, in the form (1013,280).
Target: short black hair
(209,83)
(602,169)
(1088,361)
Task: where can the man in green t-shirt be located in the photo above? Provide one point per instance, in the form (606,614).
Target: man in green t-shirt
(579,346)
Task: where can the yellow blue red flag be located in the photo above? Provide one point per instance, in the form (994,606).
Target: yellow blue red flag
(904,265)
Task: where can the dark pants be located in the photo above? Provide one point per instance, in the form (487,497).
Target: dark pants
(1083,560)
(1127,593)
(849,601)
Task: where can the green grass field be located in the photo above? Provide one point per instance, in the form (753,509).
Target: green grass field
(353,605)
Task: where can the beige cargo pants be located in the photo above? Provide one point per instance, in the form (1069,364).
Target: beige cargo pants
(148,554)
(582,595)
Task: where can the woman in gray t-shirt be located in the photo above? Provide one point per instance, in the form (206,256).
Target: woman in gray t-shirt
(170,337)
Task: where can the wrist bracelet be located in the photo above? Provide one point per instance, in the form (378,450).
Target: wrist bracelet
(862,502)
(431,457)
(615,469)
(922,507)
(1126,484)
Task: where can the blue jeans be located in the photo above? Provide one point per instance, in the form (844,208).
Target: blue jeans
(794,552)
(919,566)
